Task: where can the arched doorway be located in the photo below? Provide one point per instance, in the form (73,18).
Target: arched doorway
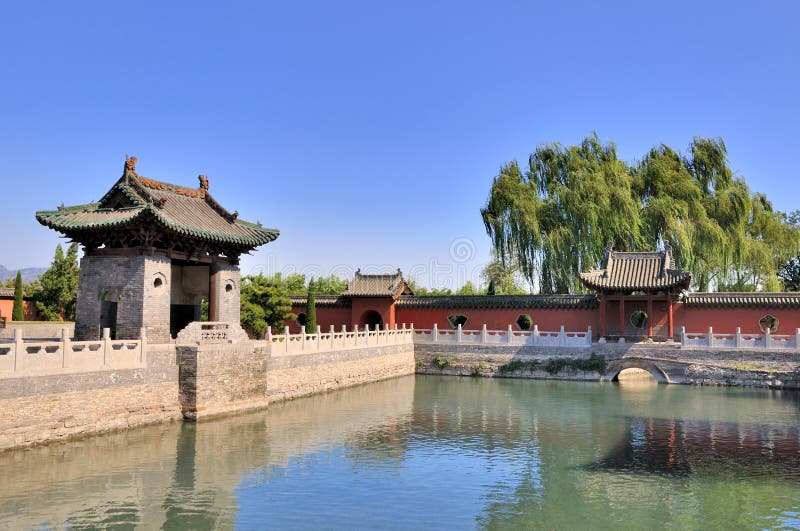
(371,318)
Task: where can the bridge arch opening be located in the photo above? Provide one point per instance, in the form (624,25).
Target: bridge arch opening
(371,318)
(615,369)
(636,376)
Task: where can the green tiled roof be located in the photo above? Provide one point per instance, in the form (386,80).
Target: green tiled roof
(385,285)
(501,301)
(637,271)
(742,300)
(322,301)
(190,212)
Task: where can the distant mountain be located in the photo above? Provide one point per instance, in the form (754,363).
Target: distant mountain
(28,273)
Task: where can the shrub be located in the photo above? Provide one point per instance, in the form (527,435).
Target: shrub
(555,365)
(441,363)
(524,321)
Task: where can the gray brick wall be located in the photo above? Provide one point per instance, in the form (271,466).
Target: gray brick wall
(227,294)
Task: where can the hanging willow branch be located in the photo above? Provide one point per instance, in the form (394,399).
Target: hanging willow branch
(555,220)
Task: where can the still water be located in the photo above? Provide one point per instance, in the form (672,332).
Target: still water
(431,452)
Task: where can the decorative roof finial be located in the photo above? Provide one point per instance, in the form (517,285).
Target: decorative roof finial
(130,163)
(203,182)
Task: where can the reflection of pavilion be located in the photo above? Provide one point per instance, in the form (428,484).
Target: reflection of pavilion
(152,252)
(683,447)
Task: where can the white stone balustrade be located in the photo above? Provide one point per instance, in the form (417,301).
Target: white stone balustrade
(509,336)
(738,340)
(199,332)
(302,343)
(20,357)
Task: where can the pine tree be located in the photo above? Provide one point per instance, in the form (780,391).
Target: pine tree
(18,314)
(311,308)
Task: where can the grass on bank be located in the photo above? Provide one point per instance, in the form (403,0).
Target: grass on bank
(594,363)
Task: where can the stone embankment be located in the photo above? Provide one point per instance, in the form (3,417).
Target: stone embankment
(668,363)
(45,395)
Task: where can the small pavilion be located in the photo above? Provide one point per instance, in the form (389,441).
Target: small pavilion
(153,251)
(374,296)
(637,292)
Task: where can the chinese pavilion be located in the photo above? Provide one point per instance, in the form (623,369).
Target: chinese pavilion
(636,292)
(152,252)
(373,297)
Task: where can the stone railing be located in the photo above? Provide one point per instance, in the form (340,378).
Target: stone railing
(199,332)
(768,341)
(286,343)
(21,357)
(509,336)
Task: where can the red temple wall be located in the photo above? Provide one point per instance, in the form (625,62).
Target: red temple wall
(725,320)
(7,308)
(326,316)
(500,318)
(380,305)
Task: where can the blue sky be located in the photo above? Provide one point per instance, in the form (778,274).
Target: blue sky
(369,133)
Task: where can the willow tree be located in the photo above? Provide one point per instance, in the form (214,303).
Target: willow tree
(556,219)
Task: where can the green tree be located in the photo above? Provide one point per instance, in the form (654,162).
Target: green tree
(57,298)
(501,278)
(330,285)
(264,302)
(467,289)
(556,219)
(311,308)
(18,313)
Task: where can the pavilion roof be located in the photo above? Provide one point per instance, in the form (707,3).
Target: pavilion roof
(384,285)
(742,300)
(136,201)
(543,302)
(637,271)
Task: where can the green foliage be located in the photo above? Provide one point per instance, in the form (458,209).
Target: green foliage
(467,289)
(594,363)
(57,298)
(264,303)
(524,322)
(789,274)
(556,218)
(478,369)
(330,285)
(18,313)
(295,284)
(311,309)
(441,363)
(204,309)
(456,320)
(501,278)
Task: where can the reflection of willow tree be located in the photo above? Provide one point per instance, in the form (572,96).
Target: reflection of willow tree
(556,218)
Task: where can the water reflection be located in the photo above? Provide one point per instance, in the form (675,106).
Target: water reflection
(682,448)
(430,452)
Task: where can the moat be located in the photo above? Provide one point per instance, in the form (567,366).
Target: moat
(431,452)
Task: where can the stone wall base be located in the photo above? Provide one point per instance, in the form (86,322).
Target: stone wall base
(293,376)
(30,420)
(224,378)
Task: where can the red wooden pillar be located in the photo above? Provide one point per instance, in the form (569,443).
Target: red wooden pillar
(622,316)
(602,315)
(649,316)
(669,307)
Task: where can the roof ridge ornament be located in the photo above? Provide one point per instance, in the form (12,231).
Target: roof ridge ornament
(130,164)
(609,255)
(203,182)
